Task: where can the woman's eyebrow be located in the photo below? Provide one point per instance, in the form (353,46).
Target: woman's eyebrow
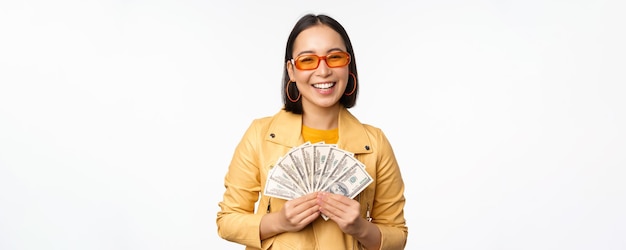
(312,52)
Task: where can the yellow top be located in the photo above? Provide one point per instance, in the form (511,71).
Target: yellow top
(316,135)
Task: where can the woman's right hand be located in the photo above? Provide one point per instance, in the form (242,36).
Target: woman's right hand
(292,217)
(299,212)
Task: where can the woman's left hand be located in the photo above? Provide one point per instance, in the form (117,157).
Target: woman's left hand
(344,211)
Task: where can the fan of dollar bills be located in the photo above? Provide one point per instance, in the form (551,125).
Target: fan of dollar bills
(316,167)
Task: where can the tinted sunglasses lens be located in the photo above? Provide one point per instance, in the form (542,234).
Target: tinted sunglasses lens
(337,60)
(307,62)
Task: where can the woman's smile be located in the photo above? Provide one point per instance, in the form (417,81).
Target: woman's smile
(324,88)
(324,85)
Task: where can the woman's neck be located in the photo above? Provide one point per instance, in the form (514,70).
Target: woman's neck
(322,118)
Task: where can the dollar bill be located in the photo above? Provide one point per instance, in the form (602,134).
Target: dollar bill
(351,182)
(307,156)
(275,189)
(278,175)
(337,164)
(290,168)
(320,155)
(296,161)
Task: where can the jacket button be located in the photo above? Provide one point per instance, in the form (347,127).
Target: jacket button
(272,135)
(367,147)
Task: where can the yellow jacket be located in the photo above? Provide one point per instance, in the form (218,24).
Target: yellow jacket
(269,138)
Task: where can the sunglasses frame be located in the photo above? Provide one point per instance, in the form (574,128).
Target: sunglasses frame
(320,58)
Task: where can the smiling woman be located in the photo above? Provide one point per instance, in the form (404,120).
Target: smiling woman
(320,85)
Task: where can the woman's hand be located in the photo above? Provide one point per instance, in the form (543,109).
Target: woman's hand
(292,217)
(299,212)
(344,211)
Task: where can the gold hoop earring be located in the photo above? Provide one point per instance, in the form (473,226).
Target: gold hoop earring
(354,86)
(287,92)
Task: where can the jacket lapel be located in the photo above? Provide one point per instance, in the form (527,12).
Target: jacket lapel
(352,134)
(285,129)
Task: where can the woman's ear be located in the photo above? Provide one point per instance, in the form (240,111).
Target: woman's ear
(290,71)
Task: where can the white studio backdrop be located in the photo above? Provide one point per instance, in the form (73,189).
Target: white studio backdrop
(118,119)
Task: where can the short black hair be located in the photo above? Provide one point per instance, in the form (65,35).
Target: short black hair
(305,22)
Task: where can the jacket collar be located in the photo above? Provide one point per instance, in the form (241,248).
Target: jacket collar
(286,129)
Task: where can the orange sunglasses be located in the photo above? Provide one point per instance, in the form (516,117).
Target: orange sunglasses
(333,60)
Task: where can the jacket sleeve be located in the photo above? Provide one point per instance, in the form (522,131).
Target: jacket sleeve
(236,221)
(389,200)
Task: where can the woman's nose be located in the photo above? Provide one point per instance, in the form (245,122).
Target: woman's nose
(323,69)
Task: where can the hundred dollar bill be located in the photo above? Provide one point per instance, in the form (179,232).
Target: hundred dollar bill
(351,182)
(340,164)
(278,175)
(320,155)
(275,189)
(308,156)
(286,164)
(335,155)
(296,161)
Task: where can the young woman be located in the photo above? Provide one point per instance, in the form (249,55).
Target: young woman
(320,84)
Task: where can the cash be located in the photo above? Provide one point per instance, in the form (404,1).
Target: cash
(313,167)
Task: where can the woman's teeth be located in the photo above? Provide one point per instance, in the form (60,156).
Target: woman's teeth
(324,85)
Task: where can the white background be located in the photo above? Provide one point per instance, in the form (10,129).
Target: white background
(118,119)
